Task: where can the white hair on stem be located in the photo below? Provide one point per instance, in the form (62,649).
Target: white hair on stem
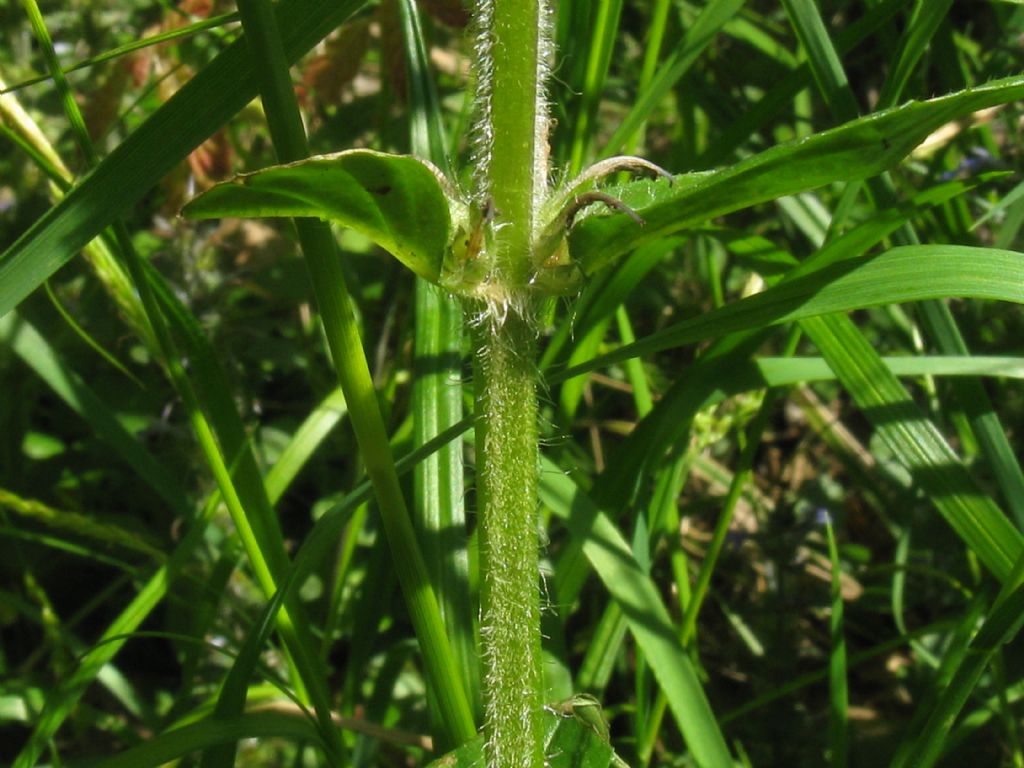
(482,132)
(542,120)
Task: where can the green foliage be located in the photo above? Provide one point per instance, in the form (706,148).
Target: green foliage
(857,150)
(573,738)
(397,202)
(211,554)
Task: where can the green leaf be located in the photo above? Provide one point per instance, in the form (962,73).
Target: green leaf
(700,34)
(838,689)
(571,740)
(905,274)
(343,338)
(439,503)
(917,444)
(634,592)
(36,352)
(201,106)
(176,743)
(827,69)
(395,200)
(857,150)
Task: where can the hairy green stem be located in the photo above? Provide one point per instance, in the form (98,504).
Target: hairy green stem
(506,410)
(512,137)
(512,183)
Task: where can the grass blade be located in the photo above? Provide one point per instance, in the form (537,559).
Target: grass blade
(204,104)
(600,42)
(698,37)
(353,373)
(821,54)
(37,353)
(917,35)
(838,695)
(856,150)
(998,629)
(648,620)
(905,274)
(917,444)
(175,744)
(437,392)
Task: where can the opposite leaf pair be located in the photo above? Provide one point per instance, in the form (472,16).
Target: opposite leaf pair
(407,207)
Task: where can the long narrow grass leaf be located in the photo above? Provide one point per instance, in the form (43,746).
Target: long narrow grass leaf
(36,352)
(437,394)
(857,150)
(204,104)
(170,35)
(838,693)
(320,251)
(905,274)
(998,629)
(698,37)
(648,620)
(917,444)
(828,72)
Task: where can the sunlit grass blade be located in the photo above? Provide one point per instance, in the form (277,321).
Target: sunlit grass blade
(760,114)
(905,274)
(823,58)
(937,318)
(437,391)
(917,36)
(79,524)
(602,651)
(645,613)
(975,402)
(656,27)
(252,509)
(64,699)
(256,542)
(698,37)
(204,104)
(304,442)
(350,364)
(106,425)
(856,150)
(780,371)
(917,444)
(610,288)
(170,35)
(242,489)
(600,42)
(711,380)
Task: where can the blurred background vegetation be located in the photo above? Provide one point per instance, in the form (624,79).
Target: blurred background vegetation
(80,529)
